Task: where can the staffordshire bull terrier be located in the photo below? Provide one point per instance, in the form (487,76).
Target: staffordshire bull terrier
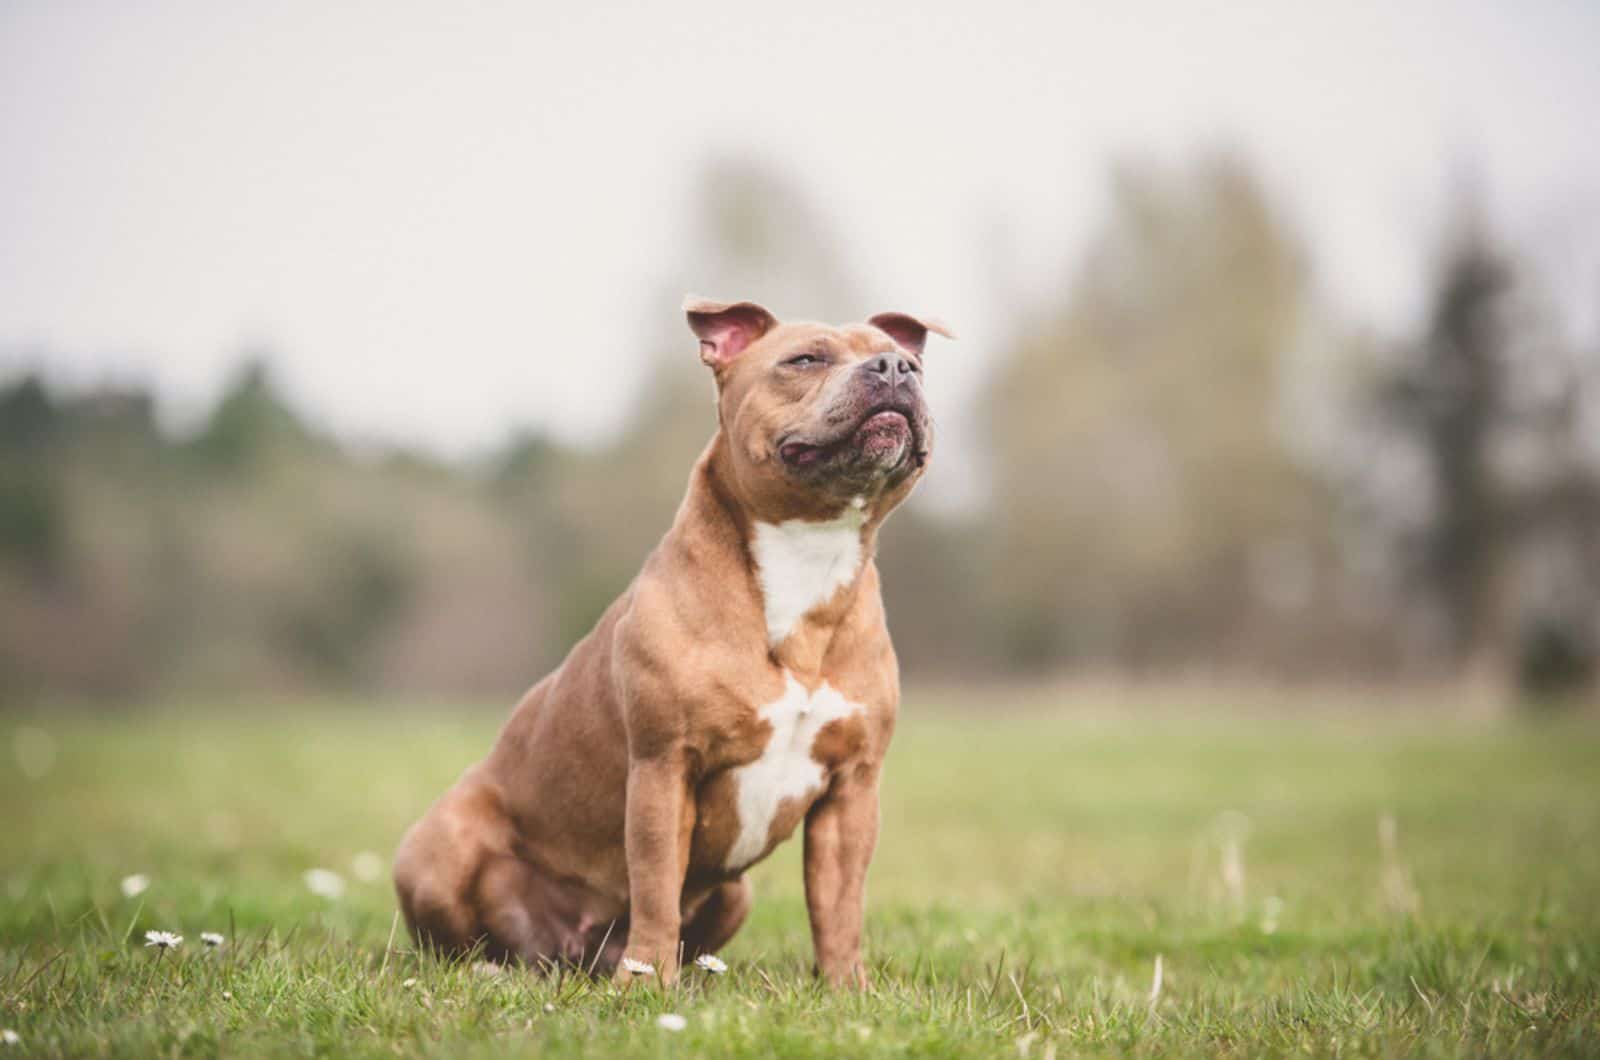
(742,684)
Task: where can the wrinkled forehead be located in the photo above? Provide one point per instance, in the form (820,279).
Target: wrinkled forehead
(847,344)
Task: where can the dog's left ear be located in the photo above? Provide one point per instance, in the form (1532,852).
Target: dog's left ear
(726,328)
(909,331)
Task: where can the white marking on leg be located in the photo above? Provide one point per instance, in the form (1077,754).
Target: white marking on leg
(801,565)
(785,769)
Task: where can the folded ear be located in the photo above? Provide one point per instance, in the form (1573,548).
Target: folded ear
(726,328)
(909,331)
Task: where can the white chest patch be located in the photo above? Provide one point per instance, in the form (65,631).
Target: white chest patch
(803,564)
(785,769)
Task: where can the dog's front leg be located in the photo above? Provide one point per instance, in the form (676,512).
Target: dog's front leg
(657,788)
(841,832)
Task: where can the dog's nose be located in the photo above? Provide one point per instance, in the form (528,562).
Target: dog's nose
(889,365)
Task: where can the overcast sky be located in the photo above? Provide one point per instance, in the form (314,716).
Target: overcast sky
(448,219)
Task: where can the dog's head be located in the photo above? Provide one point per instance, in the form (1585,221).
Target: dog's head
(817,417)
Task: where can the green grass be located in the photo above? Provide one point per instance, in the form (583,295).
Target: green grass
(1034,866)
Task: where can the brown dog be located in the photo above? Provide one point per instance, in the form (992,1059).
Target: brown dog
(744,682)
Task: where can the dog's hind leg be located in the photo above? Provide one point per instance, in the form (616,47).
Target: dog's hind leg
(440,865)
(434,901)
(508,903)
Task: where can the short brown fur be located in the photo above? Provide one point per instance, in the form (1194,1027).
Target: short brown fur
(599,825)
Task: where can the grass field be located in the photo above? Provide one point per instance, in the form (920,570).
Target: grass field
(1037,863)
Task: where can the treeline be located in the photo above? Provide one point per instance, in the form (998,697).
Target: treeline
(1192,466)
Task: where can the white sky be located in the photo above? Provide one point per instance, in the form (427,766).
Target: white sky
(450,219)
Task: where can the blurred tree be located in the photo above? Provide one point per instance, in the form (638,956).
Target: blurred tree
(1145,508)
(756,235)
(332,629)
(251,420)
(74,601)
(1553,516)
(1448,395)
(1494,401)
(32,521)
(1149,505)
(28,418)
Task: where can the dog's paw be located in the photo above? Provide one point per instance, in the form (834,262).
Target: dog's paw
(847,976)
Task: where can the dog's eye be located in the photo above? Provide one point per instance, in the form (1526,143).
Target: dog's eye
(804,360)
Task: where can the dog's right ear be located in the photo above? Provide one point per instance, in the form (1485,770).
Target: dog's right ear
(726,328)
(909,331)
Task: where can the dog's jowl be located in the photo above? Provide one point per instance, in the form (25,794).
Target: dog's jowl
(744,684)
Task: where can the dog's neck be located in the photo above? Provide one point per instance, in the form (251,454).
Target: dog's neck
(805,575)
(801,565)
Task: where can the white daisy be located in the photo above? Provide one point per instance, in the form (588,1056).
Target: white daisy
(35,750)
(324,883)
(634,967)
(135,885)
(162,940)
(212,939)
(10,1037)
(1270,911)
(714,965)
(671,1021)
(367,866)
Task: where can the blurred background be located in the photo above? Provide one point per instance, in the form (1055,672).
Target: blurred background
(340,351)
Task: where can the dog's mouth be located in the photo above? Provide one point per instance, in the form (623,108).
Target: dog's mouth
(885,437)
